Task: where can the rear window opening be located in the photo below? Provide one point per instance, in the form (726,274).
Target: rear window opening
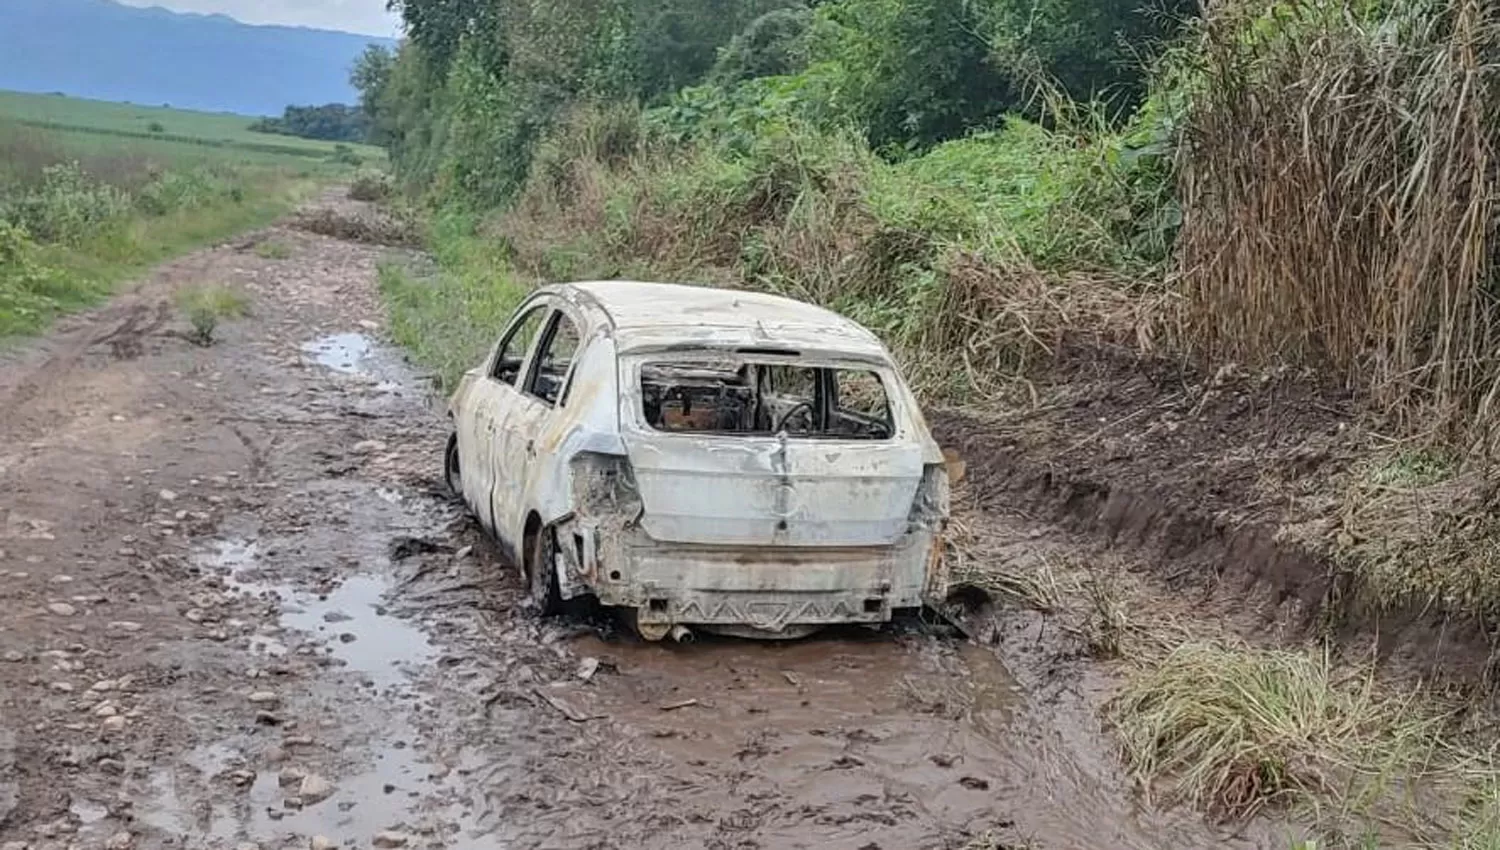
(758,398)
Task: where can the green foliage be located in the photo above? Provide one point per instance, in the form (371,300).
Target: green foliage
(913,72)
(184,190)
(66,206)
(27,287)
(1094,50)
(371,76)
(71,226)
(345,155)
(448,322)
(735,117)
(773,45)
(333,122)
(206,305)
(678,41)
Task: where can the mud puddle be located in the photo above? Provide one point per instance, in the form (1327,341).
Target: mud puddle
(865,740)
(352,620)
(342,352)
(362,358)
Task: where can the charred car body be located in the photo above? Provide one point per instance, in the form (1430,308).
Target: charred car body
(702,458)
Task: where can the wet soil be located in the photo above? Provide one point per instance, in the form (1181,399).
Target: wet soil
(240,611)
(1222,491)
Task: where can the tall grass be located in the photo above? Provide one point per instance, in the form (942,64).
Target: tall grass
(1232,730)
(972,262)
(448,318)
(1338,182)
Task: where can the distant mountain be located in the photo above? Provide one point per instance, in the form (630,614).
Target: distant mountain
(107,51)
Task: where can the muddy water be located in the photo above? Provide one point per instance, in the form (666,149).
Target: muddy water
(861,740)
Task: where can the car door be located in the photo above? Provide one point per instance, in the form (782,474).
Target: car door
(542,398)
(494,395)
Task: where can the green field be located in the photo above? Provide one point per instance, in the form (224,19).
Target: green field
(96,126)
(94,193)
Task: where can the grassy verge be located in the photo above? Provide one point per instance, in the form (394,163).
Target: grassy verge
(1233,729)
(38,282)
(448,319)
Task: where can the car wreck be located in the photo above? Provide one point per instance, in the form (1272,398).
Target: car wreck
(701,459)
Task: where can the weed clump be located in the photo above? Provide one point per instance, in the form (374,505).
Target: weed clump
(205,306)
(370,186)
(1231,730)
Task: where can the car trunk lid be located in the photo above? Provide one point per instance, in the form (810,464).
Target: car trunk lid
(718,489)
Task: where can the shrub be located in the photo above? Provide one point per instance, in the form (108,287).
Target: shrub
(27,287)
(345,155)
(66,206)
(206,305)
(370,186)
(179,190)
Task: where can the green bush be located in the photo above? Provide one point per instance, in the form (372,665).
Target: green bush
(345,155)
(27,287)
(181,190)
(773,45)
(66,206)
(370,186)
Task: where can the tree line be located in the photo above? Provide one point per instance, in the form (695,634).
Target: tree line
(477,83)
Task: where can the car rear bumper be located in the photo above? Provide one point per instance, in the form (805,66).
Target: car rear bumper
(767,588)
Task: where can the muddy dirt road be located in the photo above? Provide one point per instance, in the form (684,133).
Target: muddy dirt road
(239,611)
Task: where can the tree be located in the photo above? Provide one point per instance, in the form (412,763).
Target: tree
(914,72)
(371,77)
(334,122)
(773,45)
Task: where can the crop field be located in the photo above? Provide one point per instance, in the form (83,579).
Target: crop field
(92,193)
(92,126)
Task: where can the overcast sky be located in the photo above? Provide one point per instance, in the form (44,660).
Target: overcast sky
(361,16)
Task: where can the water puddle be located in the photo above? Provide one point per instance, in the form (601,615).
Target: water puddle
(359,632)
(358,806)
(345,352)
(386,783)
(352,619)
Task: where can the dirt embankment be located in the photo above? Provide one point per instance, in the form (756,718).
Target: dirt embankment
(1223,492)
(241,613)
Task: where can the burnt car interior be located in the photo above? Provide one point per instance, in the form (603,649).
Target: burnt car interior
(512,353)
(553,360)
(765,398)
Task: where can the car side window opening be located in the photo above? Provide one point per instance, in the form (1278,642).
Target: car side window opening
(513,350)
(766,399)
(554,360)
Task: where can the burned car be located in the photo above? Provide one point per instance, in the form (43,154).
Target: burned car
(701,459)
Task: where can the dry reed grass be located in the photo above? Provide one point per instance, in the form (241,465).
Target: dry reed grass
(1338,183)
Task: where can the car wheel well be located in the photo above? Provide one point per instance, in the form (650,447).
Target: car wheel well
(528,538)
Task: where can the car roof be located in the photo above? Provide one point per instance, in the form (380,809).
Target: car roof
(666,315)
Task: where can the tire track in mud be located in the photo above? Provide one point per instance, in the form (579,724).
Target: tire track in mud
(280,631)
